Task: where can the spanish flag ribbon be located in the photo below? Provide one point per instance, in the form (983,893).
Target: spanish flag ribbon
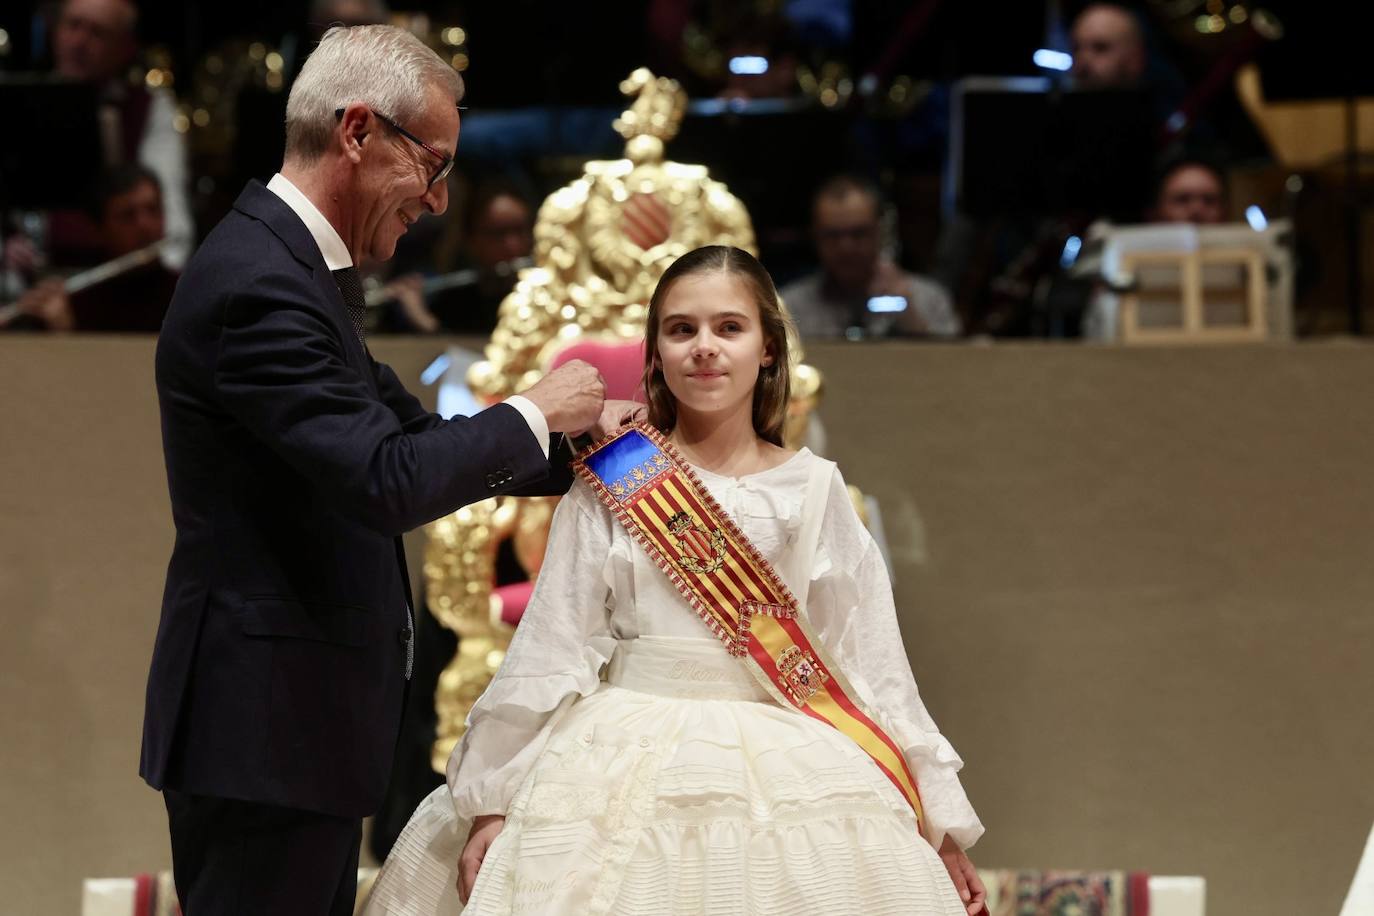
(650,490)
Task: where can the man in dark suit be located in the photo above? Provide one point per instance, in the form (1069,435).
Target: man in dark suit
(295,461)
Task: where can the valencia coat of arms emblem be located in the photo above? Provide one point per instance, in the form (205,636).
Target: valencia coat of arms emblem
(699,550)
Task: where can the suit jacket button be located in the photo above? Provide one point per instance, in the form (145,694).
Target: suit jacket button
(493,481)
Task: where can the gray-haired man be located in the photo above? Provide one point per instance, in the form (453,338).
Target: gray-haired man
(295,461)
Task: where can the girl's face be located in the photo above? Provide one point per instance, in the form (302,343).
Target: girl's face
(710,343)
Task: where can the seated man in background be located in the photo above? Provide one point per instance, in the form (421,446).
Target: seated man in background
(859,291)
(129,215)
(497,240)
(1108,48)
(1190,190)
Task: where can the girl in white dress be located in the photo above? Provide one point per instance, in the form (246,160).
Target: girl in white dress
(622,761)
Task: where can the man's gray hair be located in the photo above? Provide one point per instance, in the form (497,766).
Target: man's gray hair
(387,68)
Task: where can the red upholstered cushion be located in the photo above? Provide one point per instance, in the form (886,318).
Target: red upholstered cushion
(621,363)
(513,598)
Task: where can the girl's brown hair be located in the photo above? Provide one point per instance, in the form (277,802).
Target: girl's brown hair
(771,390)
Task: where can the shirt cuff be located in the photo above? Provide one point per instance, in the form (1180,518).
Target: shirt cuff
(534,418)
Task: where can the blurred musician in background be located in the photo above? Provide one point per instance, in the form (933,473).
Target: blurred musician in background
(497,238)
(859,291)
(94,41)
(1108,48)
(1191,190)
(324,13)
(128,213)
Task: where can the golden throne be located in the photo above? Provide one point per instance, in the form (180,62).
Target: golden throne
(601,243)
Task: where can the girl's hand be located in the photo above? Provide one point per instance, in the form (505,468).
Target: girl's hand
(483,833)
(965,877)
(615,415)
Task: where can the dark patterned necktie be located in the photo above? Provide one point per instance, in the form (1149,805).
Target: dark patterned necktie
(355,303)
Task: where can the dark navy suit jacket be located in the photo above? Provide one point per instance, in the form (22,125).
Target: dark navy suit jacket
(295,462)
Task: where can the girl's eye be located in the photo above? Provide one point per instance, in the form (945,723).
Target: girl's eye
(730,327)
(680,329)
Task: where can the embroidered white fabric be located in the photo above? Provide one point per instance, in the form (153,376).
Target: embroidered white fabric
(654,794)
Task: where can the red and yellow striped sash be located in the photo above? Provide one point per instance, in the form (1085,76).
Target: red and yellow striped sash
(735,591)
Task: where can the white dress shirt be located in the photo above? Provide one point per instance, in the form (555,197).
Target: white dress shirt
(337,257)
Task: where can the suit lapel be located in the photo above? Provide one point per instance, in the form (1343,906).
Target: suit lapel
(261,204)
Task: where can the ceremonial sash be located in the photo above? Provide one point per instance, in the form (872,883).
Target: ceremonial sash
(735,591)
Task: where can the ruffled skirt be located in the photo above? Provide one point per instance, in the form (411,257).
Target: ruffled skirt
(679,787)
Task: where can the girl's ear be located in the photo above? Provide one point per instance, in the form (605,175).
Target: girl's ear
(768,357)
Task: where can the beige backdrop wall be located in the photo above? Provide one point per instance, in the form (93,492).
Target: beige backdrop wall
(1137,588)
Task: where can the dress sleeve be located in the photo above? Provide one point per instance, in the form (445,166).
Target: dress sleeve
(556,656)
(850,604)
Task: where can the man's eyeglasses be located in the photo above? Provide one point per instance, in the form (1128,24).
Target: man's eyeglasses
(445,162)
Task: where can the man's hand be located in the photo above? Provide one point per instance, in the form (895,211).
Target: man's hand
(616,415)
(22,255)
(48,303)
(483,833)
(964,875)
(409,292)
(570,397)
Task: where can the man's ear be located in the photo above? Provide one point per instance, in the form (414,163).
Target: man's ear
(354,127)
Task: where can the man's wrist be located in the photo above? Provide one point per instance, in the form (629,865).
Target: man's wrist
(534,419)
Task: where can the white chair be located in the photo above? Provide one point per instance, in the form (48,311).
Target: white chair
(156,895)
(1178,895)
(1359,901)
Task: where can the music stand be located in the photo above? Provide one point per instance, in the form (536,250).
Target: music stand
(54,153)
(1173,283)
(772,154)
(1019,146)
(51,157)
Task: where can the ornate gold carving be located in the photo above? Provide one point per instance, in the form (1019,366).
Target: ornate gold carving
(805,395)
(459,566)
(459,569)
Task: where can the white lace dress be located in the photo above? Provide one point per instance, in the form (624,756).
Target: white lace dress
(643,771)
